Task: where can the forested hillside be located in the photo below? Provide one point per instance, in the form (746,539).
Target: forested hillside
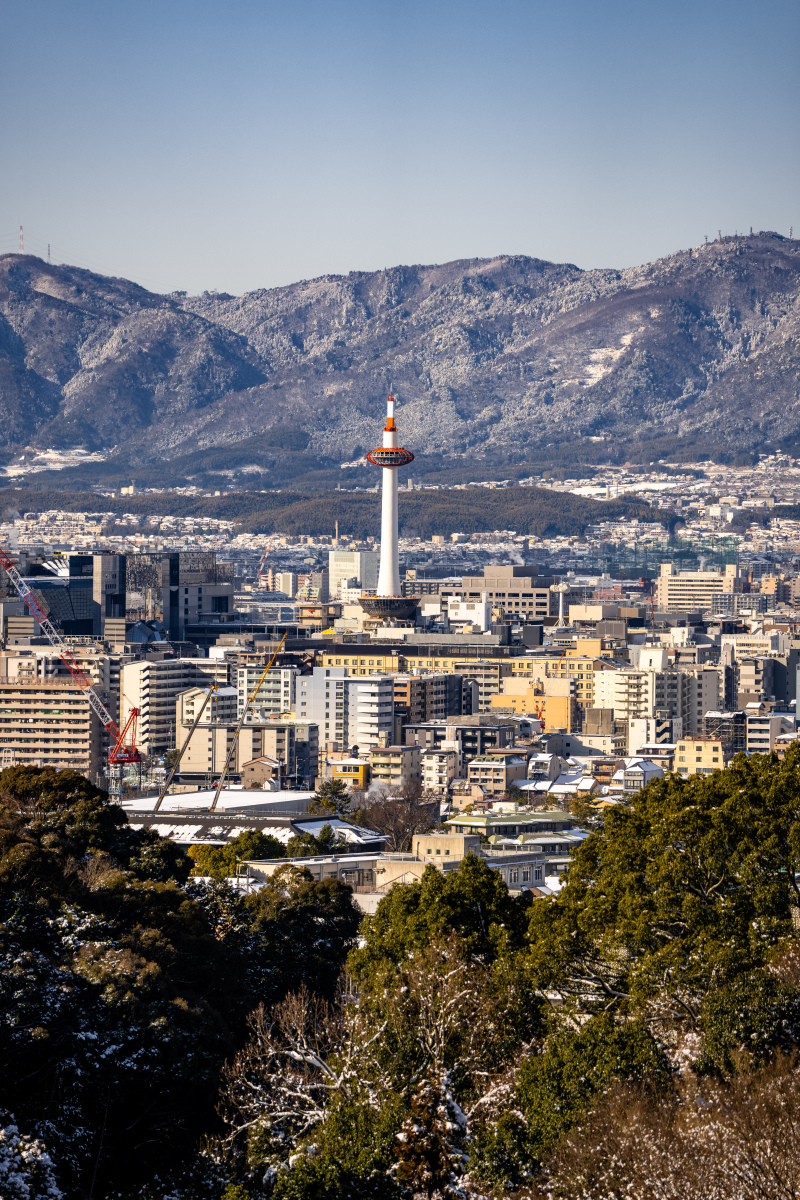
(536,511)
(633,1036)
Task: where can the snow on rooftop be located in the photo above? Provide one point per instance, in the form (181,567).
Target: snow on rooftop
(234,799)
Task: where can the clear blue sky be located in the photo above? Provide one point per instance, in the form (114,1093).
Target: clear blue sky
(250,143)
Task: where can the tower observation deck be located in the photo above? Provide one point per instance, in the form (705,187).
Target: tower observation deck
(389,604)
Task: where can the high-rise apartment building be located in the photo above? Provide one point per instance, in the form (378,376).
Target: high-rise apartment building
(277,693)
(428,697)
(349,710)
(48,723)
(153,685)
(653,689)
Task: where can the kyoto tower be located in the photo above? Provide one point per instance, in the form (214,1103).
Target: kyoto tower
(389,604)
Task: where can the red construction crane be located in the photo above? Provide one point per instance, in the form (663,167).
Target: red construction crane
(122,751)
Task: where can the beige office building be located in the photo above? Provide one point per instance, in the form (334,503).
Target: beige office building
(692,591)
(209,746)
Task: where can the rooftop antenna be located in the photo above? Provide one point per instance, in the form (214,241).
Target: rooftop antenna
(21,241)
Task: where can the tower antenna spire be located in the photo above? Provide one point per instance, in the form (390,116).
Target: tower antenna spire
(21,241)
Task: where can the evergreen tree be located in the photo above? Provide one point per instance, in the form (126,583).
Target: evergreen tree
(219,862)
(430,1156)
(332,798)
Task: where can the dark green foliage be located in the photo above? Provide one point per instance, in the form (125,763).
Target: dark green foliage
(309,926)
(749,1020)
(306,845)
(219,862)
(43,789)
(556,1087)
(473,901)
(332,798)
(352,1158)
(680,894)
(121,991)
(499,1154)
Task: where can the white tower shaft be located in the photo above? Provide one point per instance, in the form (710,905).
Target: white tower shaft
(389,572)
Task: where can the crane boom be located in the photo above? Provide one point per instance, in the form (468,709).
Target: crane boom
(54,637)
(242,719)
(214,687)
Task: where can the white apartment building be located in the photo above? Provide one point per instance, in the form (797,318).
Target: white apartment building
(651,689)
(470,613)
(344,565)
(277,693)
(349,710)
(153,685)
(439,769)
(764,728)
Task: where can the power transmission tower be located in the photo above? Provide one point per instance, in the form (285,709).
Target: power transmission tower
(21,241)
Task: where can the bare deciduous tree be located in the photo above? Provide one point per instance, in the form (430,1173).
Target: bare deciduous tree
(707,1141)
(400,814)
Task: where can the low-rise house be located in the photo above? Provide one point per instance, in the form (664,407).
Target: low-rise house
(355,772)
(263,772)
(464,794)
(638,775)
(544,766)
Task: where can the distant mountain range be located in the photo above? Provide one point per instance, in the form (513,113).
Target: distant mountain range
(508,358)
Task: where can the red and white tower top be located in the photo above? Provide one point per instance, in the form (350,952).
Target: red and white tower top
(390,454)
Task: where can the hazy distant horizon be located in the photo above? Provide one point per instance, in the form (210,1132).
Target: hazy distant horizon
(253,144)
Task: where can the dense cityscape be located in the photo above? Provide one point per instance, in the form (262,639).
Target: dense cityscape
(376,714)
(400,602)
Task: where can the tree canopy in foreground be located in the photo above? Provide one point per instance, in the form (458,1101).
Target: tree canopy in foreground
(633,1034)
